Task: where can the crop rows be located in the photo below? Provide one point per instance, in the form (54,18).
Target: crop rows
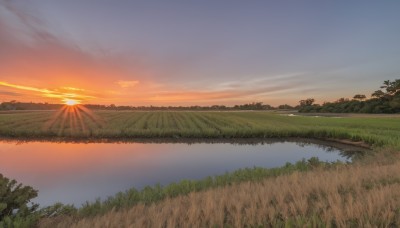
(131,125)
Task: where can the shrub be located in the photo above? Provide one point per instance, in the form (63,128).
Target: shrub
(14,199)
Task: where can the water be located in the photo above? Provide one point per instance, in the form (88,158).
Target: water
(73,173)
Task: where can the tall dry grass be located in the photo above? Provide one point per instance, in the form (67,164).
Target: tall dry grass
(348,196)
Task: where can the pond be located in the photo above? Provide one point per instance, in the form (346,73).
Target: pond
(73,173)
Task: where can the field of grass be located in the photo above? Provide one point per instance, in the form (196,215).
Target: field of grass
(76,124)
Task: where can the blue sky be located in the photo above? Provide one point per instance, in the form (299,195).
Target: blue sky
(211,52)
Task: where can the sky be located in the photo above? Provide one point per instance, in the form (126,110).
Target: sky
(186,52)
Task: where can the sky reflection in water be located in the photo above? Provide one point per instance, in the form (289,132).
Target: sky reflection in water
(74,173)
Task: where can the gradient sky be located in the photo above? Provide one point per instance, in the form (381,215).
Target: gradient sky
(196,52)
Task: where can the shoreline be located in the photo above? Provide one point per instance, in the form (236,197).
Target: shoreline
(342,144)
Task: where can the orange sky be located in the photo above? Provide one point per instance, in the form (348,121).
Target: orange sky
(37,66)
(126,93)
(47,58)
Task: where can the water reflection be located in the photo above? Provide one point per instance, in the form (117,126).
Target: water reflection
(75,172)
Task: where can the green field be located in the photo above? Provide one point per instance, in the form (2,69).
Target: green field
(377,131)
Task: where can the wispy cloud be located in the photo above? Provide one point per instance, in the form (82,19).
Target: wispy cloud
(8,93)
(253,82)
(272,87)
(72,89)
(47,93)
(62,63)
(64,70)
(25,87)
(127,84)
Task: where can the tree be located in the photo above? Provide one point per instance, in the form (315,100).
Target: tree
(360,97)
(391,87)
(378,94)
(342,100)
(113,107)
(14,198)
(307,102)
(285,106)
(395,103)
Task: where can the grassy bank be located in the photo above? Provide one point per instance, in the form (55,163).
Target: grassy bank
(366,194)
(77,124)
(154,194)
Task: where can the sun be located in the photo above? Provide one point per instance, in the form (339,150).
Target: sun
(71,102)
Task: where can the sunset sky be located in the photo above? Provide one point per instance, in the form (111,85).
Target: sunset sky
(196,52)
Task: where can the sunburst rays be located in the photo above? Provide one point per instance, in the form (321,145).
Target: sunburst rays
(73,120)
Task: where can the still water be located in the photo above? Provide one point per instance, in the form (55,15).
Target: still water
(73,173)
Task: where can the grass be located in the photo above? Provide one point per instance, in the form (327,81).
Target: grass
(134,125)
(150,195)
(365,194)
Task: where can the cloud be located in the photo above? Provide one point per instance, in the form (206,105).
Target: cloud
(127,84)
(253,82)
(32,54)
(275,88)
(242,89)
(47,93)
(221,95)
(8,93)
(72,89)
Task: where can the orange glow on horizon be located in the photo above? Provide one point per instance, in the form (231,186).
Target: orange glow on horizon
(71,102)
(67,95)
(134,93)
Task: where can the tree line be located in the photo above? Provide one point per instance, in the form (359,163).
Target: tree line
(14,105)
(384,100)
